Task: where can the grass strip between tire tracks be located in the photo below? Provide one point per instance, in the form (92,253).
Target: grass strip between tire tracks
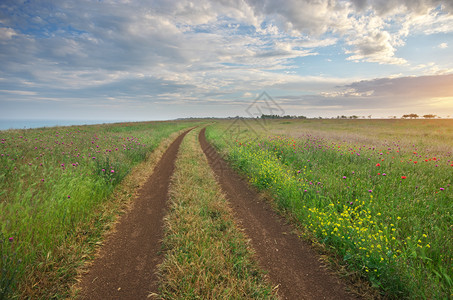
(206,255)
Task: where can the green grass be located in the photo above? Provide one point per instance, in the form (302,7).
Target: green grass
(54,185)
(379,198)
(206,255)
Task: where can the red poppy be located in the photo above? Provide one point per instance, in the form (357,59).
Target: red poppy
(378,165)
(403,177)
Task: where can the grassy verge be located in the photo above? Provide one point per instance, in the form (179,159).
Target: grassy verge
(59,192)
(385,210)
(206,255)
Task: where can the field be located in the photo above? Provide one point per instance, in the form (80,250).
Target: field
(376,195)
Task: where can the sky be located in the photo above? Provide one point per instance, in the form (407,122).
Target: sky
(138,60)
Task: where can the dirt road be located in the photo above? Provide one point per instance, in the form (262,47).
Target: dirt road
(125,268)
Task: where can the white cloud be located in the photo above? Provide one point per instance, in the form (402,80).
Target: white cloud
(443,46)
(6,34)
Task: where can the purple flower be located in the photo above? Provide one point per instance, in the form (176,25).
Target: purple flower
(11,239)
(113,171)
(383,174)
(442,189)
(69,196)
(344,177)
(370,191)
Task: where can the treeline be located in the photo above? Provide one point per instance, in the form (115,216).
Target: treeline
(282,117)
(408,116)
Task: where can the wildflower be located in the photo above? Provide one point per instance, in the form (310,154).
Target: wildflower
(378,165)
(112,171)
(403,177)
(103,170)
(69,196)
(370,191)
(383,174)
(11,239)
(442,189)
(344,177)
(42,180)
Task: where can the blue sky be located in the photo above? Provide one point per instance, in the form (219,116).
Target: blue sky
(155,60)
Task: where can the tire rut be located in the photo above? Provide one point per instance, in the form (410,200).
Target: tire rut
(125,268)
(291,263)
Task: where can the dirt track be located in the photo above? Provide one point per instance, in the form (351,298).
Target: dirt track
(291,263)
(125,268)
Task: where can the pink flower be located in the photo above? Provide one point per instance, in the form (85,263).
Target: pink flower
(113,171)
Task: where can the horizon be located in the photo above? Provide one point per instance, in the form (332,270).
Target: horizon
(162,61)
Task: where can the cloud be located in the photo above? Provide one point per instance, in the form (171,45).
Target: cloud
(204,51)
(373,29)
(421,87)
(443,46)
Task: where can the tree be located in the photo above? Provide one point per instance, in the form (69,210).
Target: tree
(429,116)
(411,116)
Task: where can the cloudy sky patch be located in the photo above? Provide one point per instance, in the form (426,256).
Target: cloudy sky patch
(135,60)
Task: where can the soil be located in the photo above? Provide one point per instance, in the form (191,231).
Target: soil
(291,263)
(126,265)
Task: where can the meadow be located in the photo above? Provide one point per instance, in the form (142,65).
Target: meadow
(54,186)
(377,194)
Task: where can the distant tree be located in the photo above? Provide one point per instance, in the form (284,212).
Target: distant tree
(369,116)
(429,116)
(410,116)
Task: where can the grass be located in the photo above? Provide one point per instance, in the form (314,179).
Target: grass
(377,196)
(206,255)
(59,191)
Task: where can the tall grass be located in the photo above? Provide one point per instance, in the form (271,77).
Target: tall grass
(206,255)
(53,183)
(384,208)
